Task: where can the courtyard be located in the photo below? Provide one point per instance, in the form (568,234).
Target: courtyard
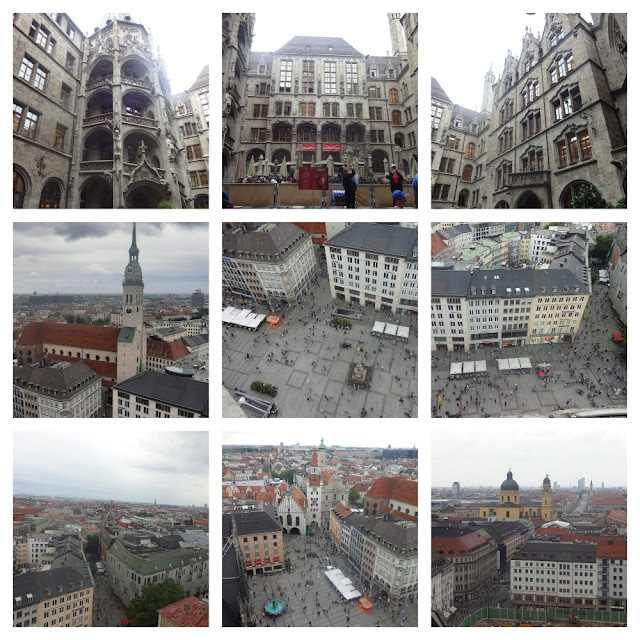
(314,382)
(592,365)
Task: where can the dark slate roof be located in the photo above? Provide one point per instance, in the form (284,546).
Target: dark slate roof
(318,46)
(37,583)
(202,79)
(284,239)
(438,92)
(377,238)
(449,283)
(174,390)
(562,551)
(250,522)
(254,61)
(397,539)
(468,115)
(64,380)
(452,232)
(194,341)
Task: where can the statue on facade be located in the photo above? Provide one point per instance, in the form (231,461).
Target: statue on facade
(227,104)
(142,148)
(116,141)
(171,148)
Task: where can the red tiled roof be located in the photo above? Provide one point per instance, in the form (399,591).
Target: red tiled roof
(266,496)
(72,335)
(342,510)
(622,502)
(314,458)
(104,369)
(190,612)
(606,546)
(618,516)
(314,480)
(394,488)
(461,545)
(326,476)
(166,350)
(437,245)
(298,497)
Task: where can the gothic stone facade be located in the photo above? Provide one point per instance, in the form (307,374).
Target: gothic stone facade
(94,126)
(554,120)
(318,97)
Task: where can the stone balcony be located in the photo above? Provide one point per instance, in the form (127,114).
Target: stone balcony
(529,178)
(96,165)
(99,119)
(102,82)
(143,84)
(139,121)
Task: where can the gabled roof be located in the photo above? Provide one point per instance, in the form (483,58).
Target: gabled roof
(166,350)
(318,46)
(438,92)
(72,335)
(202,79)
(394,489)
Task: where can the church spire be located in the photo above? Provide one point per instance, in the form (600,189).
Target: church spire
(133,250)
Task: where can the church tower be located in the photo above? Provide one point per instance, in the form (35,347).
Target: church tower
(132,288)
(313,467)
(398,45)
(322,455)
(132,341)
(546,512)
(487,93)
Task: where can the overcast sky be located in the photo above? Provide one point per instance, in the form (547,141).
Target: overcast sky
(167,466)
(483,457)
(346,437)
(462,47)
(364,26)
(90,257)
(180,33)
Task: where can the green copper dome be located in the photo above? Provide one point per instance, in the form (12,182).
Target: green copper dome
(509,484)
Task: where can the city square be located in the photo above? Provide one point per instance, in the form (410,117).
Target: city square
(313,384)
(530,394)
(309,597)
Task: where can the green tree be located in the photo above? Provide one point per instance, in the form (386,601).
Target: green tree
(354,496)
(553,224)
(143,611)
(602,248)
(70,319)
(98,323)
(588,197)
(287,564)
(189,522)
(93,543)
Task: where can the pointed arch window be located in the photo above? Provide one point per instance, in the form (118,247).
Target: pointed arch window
(50,196)
(470,151)
(393,95)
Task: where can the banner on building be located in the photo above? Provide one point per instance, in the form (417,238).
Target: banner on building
(330,148)
(308,146)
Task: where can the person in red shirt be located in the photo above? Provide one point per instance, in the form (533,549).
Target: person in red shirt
(395,179)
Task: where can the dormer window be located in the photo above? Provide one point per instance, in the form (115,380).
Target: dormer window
(373,72)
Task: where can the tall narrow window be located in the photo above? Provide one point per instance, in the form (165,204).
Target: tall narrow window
(26,69)
(585,145)
(286,67)
(352,77)
(562,68)
(58,137)
(17,116)
(573,148)
(358,110)
(40,78)
(65,96)
(471,150)
(393,95)
(330,77)
(30,124)
(307,76)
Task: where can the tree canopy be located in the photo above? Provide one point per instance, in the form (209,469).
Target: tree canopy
(143,611)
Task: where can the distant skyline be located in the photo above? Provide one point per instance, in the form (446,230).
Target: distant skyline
(483,458)
(170,467)
(90,257)
(332,437)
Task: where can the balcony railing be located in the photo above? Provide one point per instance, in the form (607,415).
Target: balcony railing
(103,117)
(99,83)
(98,165)
(139,121)
(528,178)
(137,83)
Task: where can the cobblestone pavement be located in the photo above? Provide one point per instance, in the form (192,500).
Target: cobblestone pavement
(327,612)
(107,608)
(313,384)
(528,394)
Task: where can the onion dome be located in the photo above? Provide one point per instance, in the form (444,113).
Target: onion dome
(509,484)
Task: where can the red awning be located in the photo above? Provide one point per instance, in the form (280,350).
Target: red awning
(617,336)
(542,374)
(125,621)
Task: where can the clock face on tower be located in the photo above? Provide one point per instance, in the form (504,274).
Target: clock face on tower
(129,269)
(128,311)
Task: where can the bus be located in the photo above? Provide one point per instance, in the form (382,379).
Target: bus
(364,605)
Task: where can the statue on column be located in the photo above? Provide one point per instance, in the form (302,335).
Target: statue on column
(116,141)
